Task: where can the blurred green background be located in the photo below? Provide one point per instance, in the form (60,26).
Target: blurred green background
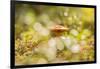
(32,27)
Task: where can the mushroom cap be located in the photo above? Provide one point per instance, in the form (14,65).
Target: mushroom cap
(58,28)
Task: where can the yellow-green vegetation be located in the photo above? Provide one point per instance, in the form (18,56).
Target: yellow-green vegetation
(37,43)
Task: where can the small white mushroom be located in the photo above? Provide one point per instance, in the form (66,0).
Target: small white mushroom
(52,50)
(40,29)
(74,32)
(75,48)
(67,41)
(59,43)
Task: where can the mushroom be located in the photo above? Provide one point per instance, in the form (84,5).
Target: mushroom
(57,30)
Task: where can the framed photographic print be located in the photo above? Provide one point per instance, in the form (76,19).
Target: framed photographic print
(52,34)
